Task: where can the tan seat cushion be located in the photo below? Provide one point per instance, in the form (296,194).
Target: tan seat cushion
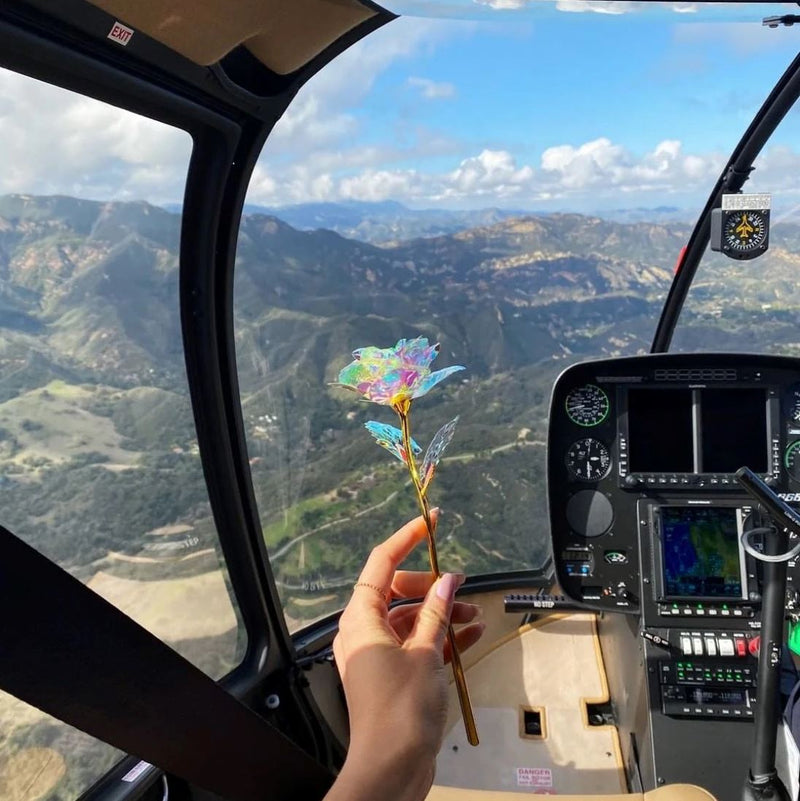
(671,792)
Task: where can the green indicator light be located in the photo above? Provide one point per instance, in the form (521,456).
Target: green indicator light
(724,606)
(699,606)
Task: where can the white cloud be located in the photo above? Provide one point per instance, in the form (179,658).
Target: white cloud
(596,6)
(580,175)
(431,90)
(54,141)
(621,6)
(601,164)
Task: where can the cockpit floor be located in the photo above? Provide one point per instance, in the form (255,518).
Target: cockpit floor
(554,667)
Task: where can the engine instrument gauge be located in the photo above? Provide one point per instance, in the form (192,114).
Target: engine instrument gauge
(791,460)
(587,405)
(589,460)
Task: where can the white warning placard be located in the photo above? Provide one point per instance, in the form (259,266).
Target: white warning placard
(534,777)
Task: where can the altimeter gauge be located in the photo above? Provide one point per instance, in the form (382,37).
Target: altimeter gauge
(740,228)
(587,405)
(588,460)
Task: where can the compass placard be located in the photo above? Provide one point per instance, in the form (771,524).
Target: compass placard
(740,228)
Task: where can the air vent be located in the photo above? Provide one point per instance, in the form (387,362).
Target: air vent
(701,374)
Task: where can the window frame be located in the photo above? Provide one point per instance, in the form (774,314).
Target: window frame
(67,47)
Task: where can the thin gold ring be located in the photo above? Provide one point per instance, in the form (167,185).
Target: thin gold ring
(375,587)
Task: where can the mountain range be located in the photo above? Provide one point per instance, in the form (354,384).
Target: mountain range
(389,222)
(91,345)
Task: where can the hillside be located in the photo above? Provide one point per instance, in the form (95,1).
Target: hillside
(99,465)
(98,446)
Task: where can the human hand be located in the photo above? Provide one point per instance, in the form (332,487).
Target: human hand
(392,668)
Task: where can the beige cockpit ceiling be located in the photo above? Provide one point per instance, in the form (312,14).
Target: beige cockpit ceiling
(283,34)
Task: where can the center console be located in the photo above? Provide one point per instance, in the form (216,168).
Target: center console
(646,519)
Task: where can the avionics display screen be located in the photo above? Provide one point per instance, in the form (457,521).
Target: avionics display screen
(700,552)
(733,424)
(682,430)
(660,430)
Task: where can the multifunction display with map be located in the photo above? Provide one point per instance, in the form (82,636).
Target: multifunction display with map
(701,555)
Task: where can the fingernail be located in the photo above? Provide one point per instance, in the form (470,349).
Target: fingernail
(437,510)
(478,611)
(460,578)
(446,586)
(481,627)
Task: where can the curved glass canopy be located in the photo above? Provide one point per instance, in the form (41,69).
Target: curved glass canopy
(533,10)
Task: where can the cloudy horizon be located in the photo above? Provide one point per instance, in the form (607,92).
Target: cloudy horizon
(605,112)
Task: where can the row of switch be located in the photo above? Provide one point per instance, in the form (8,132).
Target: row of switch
(694,645)
(672,610)
(706,673)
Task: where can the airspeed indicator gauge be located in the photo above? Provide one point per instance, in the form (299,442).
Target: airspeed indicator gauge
(587,405)
(588,460)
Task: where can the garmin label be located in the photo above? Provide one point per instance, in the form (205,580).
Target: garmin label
(121,34)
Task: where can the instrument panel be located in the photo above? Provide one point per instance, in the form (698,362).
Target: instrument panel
(642,496)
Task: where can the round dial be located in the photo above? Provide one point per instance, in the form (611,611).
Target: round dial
(794,407)
(744,231)
(588,460)
(587,405)
(791,460)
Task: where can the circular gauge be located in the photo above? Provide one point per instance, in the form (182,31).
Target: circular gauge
(588,460)
(794,406)
(587,405)
(791,460)
(744,231)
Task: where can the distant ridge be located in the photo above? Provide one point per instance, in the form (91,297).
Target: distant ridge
(389,222)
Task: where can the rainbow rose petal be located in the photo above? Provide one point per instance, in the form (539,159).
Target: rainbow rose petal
(390,376)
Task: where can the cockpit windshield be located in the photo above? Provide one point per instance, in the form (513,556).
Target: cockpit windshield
(751,305)
(520,191)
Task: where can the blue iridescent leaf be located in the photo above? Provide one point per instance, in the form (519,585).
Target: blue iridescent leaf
(391,438)
(436,449)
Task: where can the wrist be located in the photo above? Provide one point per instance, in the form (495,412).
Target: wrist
(376,776)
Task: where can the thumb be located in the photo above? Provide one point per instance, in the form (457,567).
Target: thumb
(434,614)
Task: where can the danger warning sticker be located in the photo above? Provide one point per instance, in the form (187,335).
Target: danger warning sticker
(534,777)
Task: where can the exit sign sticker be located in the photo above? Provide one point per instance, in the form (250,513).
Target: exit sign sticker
(121,34)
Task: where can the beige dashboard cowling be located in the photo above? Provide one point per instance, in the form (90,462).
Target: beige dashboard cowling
(671,792)
(283,34)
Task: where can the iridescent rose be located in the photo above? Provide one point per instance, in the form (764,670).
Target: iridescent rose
(392,376)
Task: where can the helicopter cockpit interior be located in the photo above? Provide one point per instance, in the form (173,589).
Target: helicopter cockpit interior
(207,209)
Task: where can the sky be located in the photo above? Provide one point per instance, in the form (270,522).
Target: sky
(493,104)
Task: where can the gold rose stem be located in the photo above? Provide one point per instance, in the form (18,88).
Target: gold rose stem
(422,498)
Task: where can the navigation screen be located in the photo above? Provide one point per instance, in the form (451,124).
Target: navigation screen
(700,552)
(660,430)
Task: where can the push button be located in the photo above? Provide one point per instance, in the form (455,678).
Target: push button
(686,646)
(741,647)
(711,646)
(697,646)
(726,646)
